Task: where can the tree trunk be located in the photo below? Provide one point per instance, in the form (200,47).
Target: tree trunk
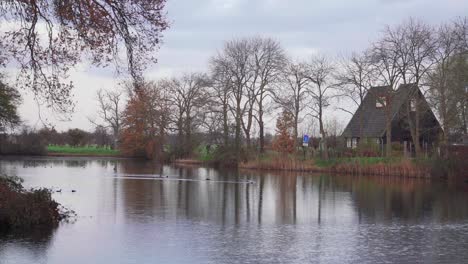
(388,125)
(324,136)
(225,125)
(261,128)
(414,125)
(238,129)
(296,121)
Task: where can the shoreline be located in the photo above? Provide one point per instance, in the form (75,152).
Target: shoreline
(58,154)
(404,169)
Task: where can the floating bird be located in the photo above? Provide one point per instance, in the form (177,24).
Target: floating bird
(208,179)
(59,190)
(73,190)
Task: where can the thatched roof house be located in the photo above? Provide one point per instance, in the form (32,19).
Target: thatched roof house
(369,119)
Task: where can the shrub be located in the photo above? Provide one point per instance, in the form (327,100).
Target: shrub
(22,209)
(368,148)
(206,152)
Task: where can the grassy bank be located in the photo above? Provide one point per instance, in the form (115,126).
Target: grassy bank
(22,210)
(81,151)
(357,165)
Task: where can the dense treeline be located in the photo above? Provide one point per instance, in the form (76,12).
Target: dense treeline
(250,79)
(34,142)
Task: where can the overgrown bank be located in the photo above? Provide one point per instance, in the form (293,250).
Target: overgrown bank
(394,166)
(23,210)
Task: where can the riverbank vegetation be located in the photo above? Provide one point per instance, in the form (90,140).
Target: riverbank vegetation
(22,209)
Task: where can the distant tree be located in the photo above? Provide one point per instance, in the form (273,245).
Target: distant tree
(48,37)
(50,136)
(320,73)
(101,137)
(9,101)
(268,61)
(76,137)
(284,141)
(291,92)
(109,113)
(145,122)
(221,95)
(385,62)
(448,82)
(189,97)
(354,78)
(234,60)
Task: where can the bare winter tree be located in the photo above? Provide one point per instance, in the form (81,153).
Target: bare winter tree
(235,58)
(384,59)
(354,79)
(291,93)
(189,96)
(49,37)
(414,44)
(220,95)
(320,73)
(268,61)
(448,80)
(110,110)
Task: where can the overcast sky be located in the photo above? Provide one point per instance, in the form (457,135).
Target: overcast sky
(199,28)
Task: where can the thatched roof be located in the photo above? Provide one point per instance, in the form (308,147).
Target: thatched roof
(373,119)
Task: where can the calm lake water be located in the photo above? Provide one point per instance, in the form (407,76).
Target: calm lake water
(127,215)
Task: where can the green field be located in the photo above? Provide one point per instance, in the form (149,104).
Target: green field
(83,150)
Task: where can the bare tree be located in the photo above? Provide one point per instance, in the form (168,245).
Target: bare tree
(49,37)
(320,73)
(448,80)
(384,59)
(414,44)
(291,92)
(235,58)
(109,113)
(354,79)
(268,61)
(189,96)
(220,95)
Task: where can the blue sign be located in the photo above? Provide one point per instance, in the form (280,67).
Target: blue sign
(305,139)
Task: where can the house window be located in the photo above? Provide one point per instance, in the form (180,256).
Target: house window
(351,142)
(381,102)
(413,105)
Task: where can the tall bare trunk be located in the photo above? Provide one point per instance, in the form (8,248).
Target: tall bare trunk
(238,129)
(388,125)
(324,136)
(261,126)
(225,125)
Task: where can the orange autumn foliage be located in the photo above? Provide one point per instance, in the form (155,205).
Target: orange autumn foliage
(284,141)
(144,123)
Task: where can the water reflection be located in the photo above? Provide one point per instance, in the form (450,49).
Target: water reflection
(127,208)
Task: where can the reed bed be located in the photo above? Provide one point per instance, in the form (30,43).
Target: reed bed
(382,167)
(284,163)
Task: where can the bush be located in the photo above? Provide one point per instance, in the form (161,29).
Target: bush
(368,148)
(206,153)
(22,209)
